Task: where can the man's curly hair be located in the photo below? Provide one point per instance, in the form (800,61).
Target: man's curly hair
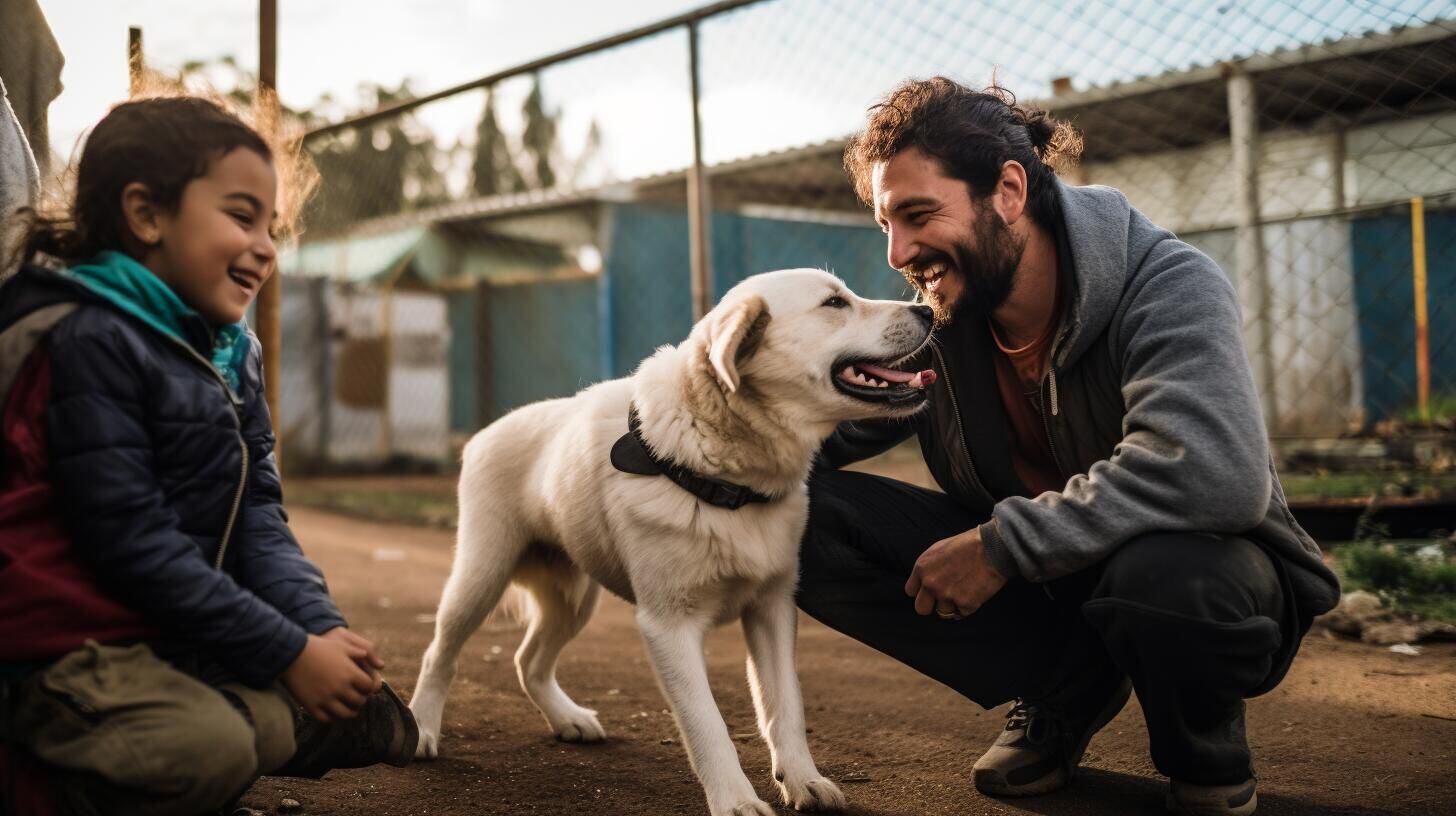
(971,134)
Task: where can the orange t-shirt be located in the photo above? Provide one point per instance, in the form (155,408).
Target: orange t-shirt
(1019,372)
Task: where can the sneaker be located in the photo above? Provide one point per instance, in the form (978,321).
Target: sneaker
(1212,800)
(384,730)
(1044,741)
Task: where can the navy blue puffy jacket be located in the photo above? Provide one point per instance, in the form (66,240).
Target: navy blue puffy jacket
(161,471)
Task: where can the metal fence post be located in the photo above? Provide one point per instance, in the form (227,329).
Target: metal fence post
(699,202)
(270,333)
(1252,262)
(135,62)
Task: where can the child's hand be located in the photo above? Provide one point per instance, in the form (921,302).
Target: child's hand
(369,661)
(326,679)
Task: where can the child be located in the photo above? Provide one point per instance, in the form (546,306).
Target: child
(163,640)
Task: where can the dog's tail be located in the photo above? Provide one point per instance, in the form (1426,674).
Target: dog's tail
(516,607)
(549,577)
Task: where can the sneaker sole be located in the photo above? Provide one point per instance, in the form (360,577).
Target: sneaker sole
(1190,809)
(991,782)
(411,729)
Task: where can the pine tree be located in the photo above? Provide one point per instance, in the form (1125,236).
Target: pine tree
(493,171)
(539,137)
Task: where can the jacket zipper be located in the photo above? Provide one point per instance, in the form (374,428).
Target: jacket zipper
(237,502)
(1046,423)
(1050,381)
(960,428)
(227,531)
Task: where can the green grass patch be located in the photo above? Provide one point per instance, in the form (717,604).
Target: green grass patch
(1414,576)
(394,507)
(1442,407)
(1360,484)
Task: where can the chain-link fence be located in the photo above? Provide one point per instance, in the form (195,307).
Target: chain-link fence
(1308,147)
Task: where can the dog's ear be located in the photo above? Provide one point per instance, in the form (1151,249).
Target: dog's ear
(733,335)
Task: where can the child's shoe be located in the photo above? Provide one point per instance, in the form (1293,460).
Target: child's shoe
(384,730)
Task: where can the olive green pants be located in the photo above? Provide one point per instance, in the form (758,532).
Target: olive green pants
(128,733)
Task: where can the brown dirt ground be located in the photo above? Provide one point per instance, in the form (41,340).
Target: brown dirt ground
(1354,729)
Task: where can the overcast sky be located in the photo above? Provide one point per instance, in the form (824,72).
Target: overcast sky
(775,75)
(324,46)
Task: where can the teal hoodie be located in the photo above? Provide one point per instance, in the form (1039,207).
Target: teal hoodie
(136,290)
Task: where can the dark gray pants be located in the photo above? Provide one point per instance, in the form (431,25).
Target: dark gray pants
(1198,621)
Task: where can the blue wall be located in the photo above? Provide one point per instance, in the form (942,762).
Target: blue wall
(650,298)
(551,338)
(462,307)
(1385,302)
(543,341)
(744,246)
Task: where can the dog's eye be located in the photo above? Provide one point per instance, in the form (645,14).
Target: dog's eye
(836,302)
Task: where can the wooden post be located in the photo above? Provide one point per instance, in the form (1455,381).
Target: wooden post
(134,61)
(270,296)
(1423,332)
(1254,291)
(699,204)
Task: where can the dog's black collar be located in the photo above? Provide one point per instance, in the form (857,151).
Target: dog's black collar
(631,454)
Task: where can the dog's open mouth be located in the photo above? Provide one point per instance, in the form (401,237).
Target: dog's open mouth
(876,383)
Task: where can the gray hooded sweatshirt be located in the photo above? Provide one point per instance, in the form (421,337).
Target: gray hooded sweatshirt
(1149,405)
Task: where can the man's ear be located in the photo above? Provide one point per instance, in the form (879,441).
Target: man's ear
(733,335)
(142,216)
(1009,198)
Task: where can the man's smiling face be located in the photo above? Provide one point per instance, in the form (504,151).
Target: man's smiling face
(956,251)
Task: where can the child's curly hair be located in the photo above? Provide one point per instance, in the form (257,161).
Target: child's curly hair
(162,140)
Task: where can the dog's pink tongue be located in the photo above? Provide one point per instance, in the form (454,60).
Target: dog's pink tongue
(918,379)
(889,374)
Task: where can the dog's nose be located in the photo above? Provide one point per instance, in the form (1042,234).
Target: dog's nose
(924,312)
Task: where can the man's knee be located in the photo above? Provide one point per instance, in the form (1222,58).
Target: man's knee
(830,543)
(1199,576)
(1198,605)
(831,502)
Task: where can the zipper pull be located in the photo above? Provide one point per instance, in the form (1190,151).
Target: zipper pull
(1052,373)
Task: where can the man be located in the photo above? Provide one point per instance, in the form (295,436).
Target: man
(1111,520)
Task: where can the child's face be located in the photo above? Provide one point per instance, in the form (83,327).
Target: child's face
(216,249)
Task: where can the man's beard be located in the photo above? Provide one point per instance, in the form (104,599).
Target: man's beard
(987,266)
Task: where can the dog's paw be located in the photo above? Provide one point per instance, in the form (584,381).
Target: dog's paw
(429,745)
(427,718)
(754,807)
(580,725)
(814,793)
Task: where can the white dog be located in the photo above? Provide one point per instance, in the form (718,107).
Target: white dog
(695,515)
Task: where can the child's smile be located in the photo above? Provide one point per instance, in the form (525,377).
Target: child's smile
(249,281)
(216,250)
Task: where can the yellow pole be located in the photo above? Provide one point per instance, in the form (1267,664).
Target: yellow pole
(1423,336)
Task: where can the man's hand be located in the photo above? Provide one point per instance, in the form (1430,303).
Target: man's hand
(326,679)
(953,577)
(368,660)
